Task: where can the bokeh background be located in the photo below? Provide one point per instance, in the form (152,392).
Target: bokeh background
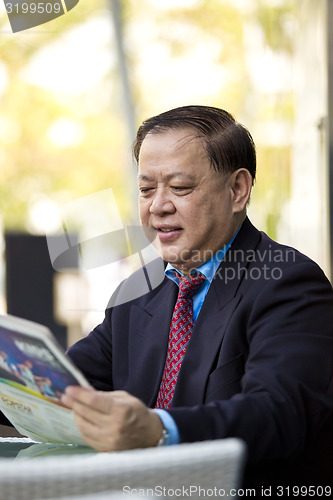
(74,90)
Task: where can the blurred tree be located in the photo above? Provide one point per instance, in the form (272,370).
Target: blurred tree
(62,129)
(63,133)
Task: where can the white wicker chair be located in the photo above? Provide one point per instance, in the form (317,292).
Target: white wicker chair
(164,472)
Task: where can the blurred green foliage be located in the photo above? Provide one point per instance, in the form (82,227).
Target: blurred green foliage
(159,41)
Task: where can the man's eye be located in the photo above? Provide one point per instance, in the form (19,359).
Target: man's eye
(145,189)
(181,188)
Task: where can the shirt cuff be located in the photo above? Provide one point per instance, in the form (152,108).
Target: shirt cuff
(170,426)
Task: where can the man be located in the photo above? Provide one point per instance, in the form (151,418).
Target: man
(256,339)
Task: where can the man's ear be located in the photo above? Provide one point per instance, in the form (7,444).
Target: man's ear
(241,184)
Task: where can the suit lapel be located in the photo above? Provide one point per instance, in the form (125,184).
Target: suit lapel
(149,330)
(204,345)
(220,303)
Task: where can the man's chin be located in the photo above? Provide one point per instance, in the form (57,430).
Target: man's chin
(177,259)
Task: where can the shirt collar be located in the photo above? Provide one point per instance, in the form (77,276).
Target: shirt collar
(209,268)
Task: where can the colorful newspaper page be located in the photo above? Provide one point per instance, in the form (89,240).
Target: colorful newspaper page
(34,373)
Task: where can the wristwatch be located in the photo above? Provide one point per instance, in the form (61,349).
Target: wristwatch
(164,439)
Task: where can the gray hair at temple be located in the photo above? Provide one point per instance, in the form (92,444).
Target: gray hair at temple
(229,144)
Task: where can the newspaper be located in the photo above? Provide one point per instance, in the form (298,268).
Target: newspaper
(34,373)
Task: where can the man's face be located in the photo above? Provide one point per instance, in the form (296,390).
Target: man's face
(183,199)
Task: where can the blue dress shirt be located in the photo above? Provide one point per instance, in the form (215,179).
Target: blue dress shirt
(208,269)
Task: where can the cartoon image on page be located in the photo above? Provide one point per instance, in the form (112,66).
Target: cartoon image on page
(34,373)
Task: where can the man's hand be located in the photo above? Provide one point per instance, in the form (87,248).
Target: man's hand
(110,421)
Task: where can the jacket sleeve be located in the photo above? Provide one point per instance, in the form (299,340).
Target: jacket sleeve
(93,355)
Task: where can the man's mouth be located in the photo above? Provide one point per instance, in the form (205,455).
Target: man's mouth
(167,233)
(167,229)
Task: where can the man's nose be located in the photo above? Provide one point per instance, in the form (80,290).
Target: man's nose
(161,203)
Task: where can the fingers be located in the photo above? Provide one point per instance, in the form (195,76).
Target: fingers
(112,420)
(102,401)
(86,401)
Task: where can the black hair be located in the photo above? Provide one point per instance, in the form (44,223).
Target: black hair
(229,144)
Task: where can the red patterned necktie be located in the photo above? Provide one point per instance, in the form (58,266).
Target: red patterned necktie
(180,333)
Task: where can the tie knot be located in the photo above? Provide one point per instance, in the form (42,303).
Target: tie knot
(190,283)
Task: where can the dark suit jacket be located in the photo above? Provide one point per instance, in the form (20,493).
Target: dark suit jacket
(258,366)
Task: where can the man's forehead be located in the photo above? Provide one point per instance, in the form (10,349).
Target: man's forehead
(181,136)
(171,154)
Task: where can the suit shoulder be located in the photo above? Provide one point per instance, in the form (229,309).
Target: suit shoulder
(276,252)
(291,265)
(143,281)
